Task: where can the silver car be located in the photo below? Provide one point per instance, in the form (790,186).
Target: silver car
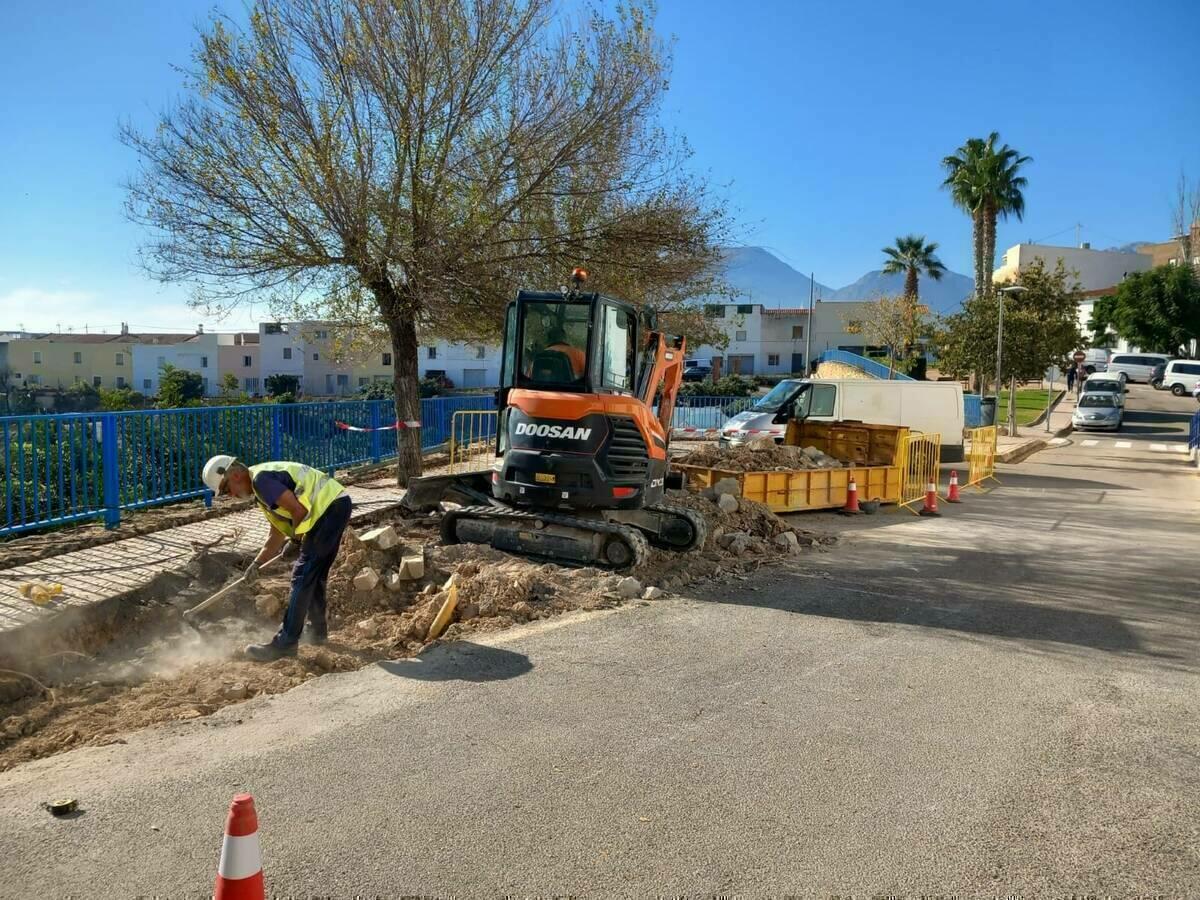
(756,421)
(1099,410)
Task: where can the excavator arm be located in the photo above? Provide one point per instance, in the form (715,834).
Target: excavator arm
(666,375)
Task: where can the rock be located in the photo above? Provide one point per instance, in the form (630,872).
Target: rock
(727,503)
(523,610)
(804,540)
(610,584)
(736,542)
(412,568)
(235,691)
(787,542)
(709,494)
(762,442)
(268,605)
(382,538)
(366,579)
(629,588)
(368,628)
(727,486)
(812,453)
(652,593)
(393,582)
(468,612)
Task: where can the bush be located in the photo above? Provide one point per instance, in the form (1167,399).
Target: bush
(433,387)
(734,386)
(286,397)
(179,387)
(379,390)
(79,397)
(278,385)
(117,399)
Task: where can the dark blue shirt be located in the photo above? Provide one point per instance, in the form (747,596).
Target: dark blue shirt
(271,485)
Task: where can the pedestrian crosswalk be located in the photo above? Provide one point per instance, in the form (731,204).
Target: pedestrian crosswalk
(1174,447)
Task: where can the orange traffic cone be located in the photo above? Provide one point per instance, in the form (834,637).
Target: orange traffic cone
(930,507)
(239,874)
(953,496)
(851,507)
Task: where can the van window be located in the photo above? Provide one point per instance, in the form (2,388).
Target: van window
(818,400)
(1186,368)
(1121,360)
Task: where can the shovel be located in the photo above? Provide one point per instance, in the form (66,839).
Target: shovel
(224,592)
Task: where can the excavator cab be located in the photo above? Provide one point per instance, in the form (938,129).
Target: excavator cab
(587,390)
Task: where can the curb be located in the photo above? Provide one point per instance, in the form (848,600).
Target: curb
(1041,417)
(1033,445)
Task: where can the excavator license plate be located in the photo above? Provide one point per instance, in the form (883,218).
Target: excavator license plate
(543,477)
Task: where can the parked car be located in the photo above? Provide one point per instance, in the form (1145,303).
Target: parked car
(1180,376)
(1097,411)
(928,406)
(697,373)
(1106,383)
(1095,360)
(1135,366)
(1156,376)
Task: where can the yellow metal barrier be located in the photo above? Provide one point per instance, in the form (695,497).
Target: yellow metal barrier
(920,455)
(981,455)
(472,442)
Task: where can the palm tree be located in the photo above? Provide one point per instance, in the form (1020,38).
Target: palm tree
(912,256)
(983,181)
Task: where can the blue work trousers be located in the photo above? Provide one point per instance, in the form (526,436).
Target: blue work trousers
(311,572)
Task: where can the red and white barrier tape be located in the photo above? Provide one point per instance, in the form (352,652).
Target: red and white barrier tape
(411,423)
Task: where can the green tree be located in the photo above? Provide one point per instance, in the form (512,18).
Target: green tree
(117,399)
(984,182)
(897,324)
(79,397)
(1157,310)
(229,385)
(1041,328)
(401,164)
(914,258)
(179,387)
(279,385)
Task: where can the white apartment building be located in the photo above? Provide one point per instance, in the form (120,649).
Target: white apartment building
(466,365)
(237,353)
(196,352)
(281,350)
(1097,269)
(767,341)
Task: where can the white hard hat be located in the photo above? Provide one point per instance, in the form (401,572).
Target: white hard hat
(215,470)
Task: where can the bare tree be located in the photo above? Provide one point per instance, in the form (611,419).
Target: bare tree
(406,164)
(1185,214)
(898,324)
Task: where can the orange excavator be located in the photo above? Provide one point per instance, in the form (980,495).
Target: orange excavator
(587,391)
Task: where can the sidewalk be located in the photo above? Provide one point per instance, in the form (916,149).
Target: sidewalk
(1031,438)
(100,573)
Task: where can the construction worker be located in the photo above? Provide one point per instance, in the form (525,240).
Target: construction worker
(557,342)
(304,506)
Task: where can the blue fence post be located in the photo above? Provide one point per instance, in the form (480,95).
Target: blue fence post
(276,432)
(376,434)
(112,475)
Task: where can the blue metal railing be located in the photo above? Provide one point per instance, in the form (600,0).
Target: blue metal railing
(65,468)
(1194,431)
(870,366)
(71,467)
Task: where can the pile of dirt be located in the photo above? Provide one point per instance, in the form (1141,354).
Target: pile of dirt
(761,455)
(162,669)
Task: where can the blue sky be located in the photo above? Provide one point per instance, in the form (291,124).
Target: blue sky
(827,122)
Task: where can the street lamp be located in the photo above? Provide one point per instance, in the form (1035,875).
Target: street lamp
(1012,413)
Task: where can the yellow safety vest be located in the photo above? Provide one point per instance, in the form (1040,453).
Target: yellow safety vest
(314,489)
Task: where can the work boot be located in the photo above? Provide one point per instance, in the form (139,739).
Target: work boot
(315,634)
(270,652)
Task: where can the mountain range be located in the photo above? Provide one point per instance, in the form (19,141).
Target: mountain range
(761,277)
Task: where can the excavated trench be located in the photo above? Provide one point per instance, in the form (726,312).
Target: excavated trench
(96,673)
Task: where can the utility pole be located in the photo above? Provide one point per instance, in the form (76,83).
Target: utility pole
(1078,225)
(809,327)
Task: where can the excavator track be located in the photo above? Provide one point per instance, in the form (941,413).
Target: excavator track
(699,528)
(555,536)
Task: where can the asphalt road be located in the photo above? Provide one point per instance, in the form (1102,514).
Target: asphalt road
(999,702)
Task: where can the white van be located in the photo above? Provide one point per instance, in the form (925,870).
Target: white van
(926,406)
(1135,366)
(1181,376)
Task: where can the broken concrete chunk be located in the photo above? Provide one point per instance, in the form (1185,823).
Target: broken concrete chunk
(787,542)
(235,691)
(652,593)
(412,568)
(629,587)
(727,486)
(736,542)
(522,610)
(393,582)
(368,628)
(762,442)
(366,579)
(727,502)
(382,538)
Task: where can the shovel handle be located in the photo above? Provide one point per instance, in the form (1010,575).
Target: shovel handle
(200,607)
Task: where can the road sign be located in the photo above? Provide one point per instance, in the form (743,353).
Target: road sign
(1079,356)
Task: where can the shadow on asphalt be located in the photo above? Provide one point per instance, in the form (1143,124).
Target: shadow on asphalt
(461,661)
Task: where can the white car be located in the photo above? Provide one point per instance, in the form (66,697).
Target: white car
(1098,410)
(1181,376)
